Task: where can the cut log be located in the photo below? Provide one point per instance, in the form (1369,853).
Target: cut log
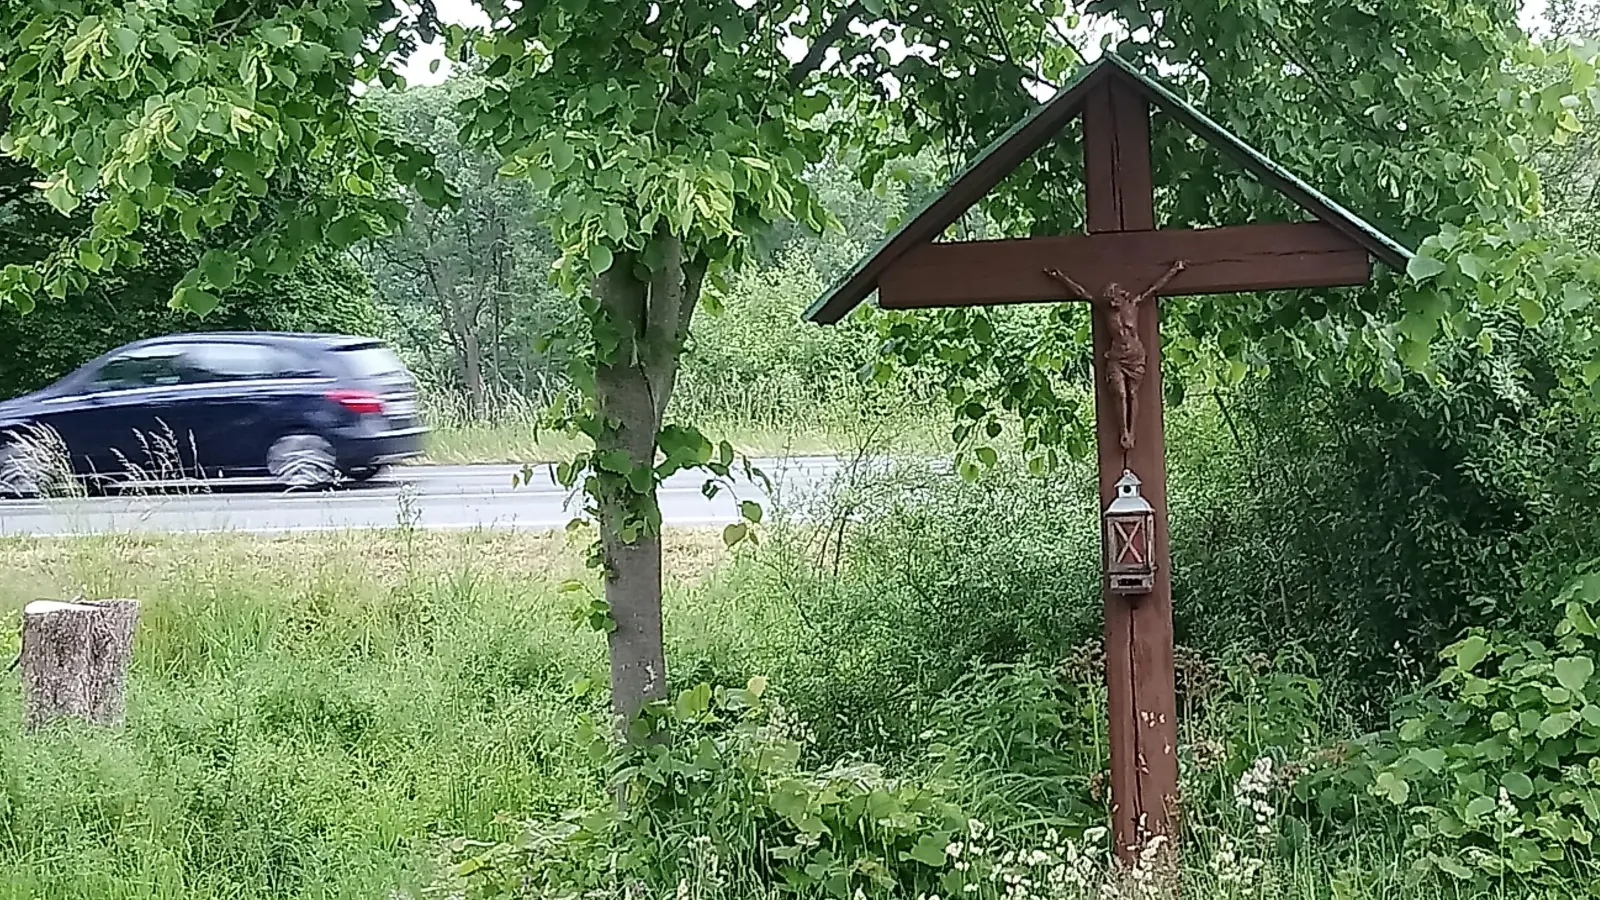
(75,659)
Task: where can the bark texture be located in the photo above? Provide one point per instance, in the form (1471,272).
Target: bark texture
(633,384)
(75,660)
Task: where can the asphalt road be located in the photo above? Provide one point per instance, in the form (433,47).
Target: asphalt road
(440,497)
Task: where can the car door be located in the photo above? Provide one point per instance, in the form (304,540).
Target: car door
(114,424)
(237,391)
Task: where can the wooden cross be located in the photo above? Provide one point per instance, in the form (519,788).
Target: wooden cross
(1122,247)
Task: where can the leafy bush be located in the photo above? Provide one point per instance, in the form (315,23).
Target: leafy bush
(1373,526)
(913,580)
(1497,763)
(714,800)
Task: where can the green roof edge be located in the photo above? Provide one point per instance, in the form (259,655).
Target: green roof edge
(1083,74)
(1377,243)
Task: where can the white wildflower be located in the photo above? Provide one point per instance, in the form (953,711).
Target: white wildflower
(1508,810)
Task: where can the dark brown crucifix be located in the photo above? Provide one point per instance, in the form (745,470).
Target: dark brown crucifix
(1124,359)
(913,269)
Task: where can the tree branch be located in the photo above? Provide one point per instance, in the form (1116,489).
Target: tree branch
(825,41)
(694,277)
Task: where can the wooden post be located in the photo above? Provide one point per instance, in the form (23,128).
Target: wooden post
(1139,676)
(75,659)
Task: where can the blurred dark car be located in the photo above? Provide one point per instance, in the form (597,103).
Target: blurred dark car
(306,410)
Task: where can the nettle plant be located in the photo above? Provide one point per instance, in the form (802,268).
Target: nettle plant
(1497,764)
(713,795)
(718,795)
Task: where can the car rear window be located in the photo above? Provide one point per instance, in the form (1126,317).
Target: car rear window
(372,362)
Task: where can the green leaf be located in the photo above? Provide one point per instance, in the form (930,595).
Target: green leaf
(1469,652)
(1573,672)
(1591,371)
(1471,265)
(137,176)
(735,533)
(1421,268)
(1237,370)
(616,461)
(1478,807)
(1558,724)
(751,510)
(641,479)
(59,194)
(929,851)
(194,300)
(693,703)
(616,223)
(126,39)
(1575,296)
(1532,310)
(1433,759)
(220,268)
(1518,785)
(561,155)
(1416,355)
(600,258)
(987,456)
(1392,787)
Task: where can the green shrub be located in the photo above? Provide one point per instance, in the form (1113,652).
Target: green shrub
(716,802)
(326,292)
(1497,763)
(1371,526)
(917,578)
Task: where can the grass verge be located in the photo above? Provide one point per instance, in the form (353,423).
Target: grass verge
(307,714)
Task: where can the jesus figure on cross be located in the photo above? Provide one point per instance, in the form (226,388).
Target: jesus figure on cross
(1125,357)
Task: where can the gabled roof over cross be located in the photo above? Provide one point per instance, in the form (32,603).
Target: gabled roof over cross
(910,270)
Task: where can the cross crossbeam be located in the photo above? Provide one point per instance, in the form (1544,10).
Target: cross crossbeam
(1235,259)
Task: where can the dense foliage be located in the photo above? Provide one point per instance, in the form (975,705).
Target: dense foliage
(1362,480)
(326,292)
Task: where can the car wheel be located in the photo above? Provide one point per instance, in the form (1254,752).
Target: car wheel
(302,462)
(20,471)
(363,473)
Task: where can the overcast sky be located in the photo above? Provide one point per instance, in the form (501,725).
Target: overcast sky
(466,12)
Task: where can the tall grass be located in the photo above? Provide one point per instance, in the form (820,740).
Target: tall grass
(765,420)
(306,716)
(317,716)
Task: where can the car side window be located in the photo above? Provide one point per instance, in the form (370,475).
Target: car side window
(147,367)
(240,362)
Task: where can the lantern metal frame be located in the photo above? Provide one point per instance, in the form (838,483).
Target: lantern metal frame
(1130,523)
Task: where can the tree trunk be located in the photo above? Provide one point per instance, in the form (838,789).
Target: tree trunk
(632,551)
(472,370)
(633,384)
(75,660)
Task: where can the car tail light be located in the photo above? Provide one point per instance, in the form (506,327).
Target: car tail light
(359,402)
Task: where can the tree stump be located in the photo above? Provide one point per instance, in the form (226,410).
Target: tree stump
(75,660)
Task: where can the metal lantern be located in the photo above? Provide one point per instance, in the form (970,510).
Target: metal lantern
(1130,539)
